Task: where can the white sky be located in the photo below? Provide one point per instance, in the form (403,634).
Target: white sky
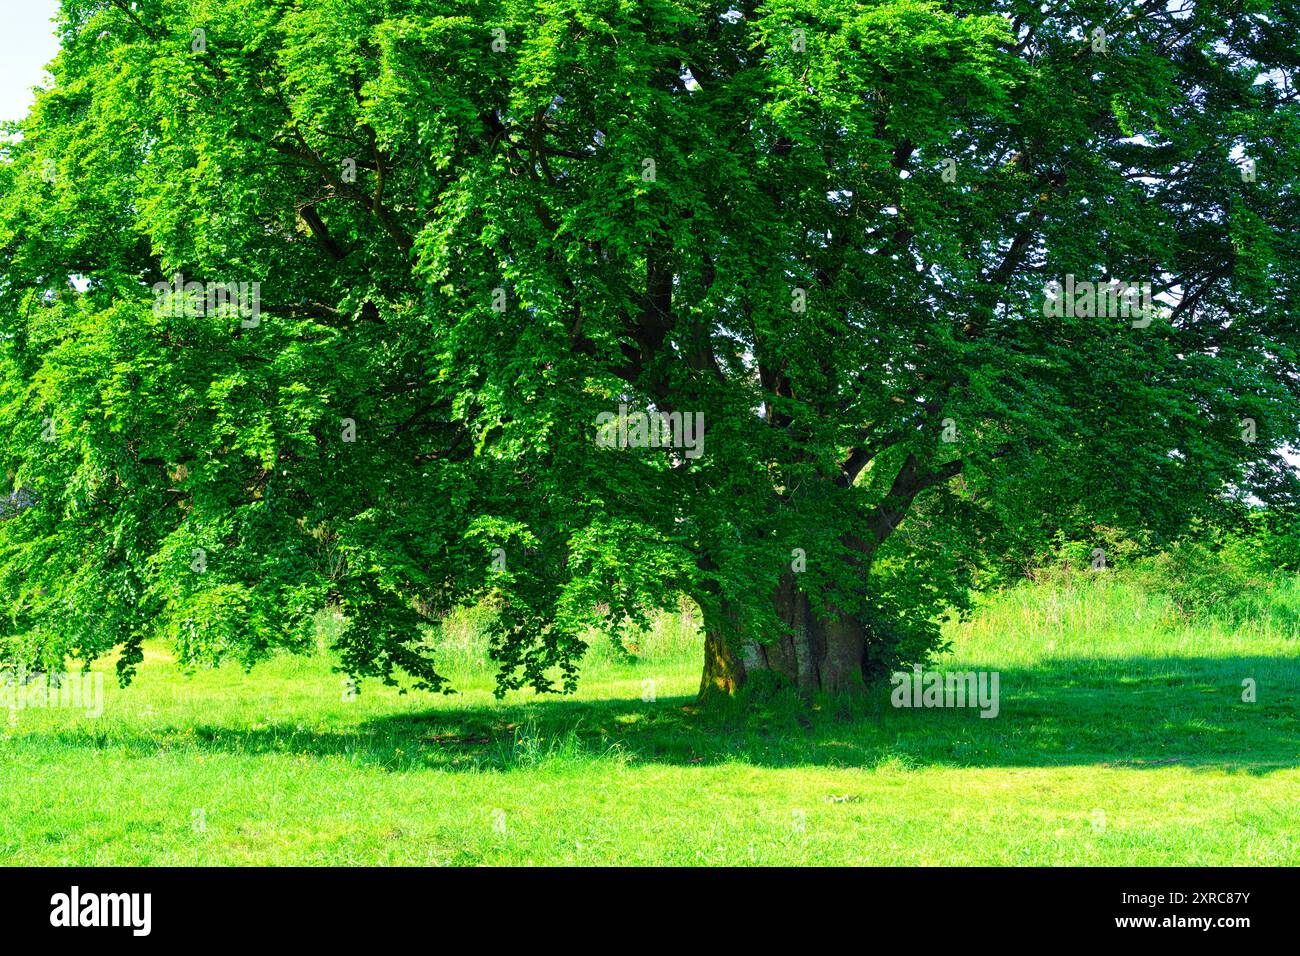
(27,44)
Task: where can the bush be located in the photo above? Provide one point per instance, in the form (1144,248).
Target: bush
(1269,542)
(1198,579)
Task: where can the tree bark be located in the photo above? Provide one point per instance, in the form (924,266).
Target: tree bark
(811,654)
(724,670)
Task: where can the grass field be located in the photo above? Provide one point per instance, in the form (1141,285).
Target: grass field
(1122,738)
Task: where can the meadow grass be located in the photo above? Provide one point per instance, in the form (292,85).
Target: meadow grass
(1122,738)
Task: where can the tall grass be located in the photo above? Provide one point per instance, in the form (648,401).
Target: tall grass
(1062,613)
(1106,614)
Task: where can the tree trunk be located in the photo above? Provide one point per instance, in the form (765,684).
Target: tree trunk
(724,670)
(812,654)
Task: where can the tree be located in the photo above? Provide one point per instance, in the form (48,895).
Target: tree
(799,308)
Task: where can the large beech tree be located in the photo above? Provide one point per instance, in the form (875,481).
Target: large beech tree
(826,226)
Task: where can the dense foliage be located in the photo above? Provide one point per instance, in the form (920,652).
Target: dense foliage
(825,226)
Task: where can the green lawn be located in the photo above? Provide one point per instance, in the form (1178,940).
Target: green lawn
(1122,739)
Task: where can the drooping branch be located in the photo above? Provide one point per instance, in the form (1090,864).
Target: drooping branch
(910,481)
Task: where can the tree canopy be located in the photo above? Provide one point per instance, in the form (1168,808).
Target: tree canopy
(470,234)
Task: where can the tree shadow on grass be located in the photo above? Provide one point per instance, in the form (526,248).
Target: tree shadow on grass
(1122,712)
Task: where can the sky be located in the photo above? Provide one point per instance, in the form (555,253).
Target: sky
(27,43)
